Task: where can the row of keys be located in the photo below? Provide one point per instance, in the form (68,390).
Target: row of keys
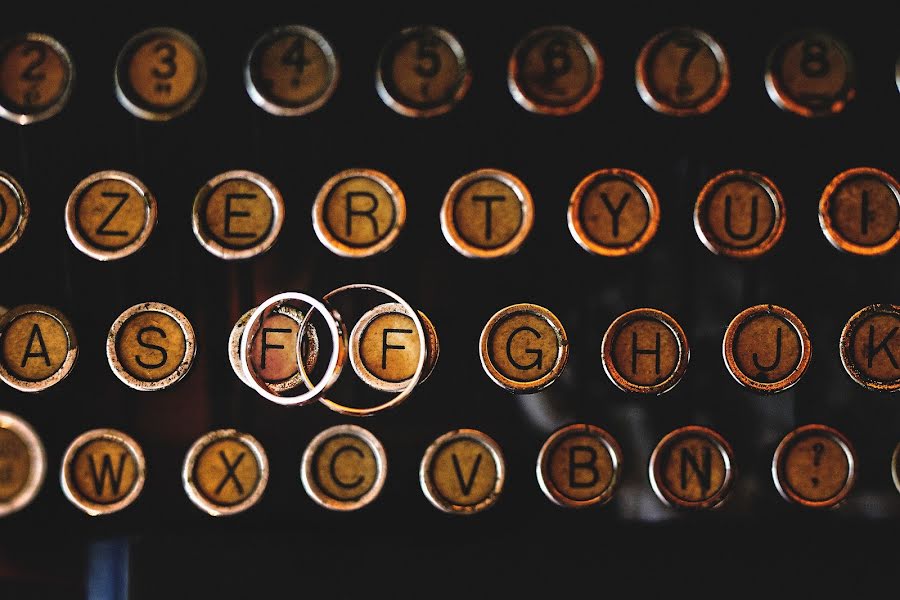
(486,214)
(423,72)
(462,472)
(274,349)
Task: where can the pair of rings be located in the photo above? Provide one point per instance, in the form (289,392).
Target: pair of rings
(301,390)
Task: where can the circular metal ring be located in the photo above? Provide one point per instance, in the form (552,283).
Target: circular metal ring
(420,365)
(335,362)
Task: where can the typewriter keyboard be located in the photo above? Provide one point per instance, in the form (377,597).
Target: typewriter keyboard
(629,282)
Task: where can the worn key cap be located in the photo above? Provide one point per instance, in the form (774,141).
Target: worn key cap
(462,472)
(225,472)
(692,467)
(814,466)
(870,347)
(811,74)
(110,215)
(682,72)
(23,464)
(14,211)
(160,74)
(524,348)
(859,212)
(151,346)
(555,70)
(38,347)
(103,471)
(579,466)
(645,351)
(384,348)
(359,213)
(766,348)
(36,77)
(291,71)
(422,72)
(344,468)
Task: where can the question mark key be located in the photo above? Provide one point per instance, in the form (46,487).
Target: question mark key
(814,466)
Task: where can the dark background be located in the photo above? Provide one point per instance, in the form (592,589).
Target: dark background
(162,546)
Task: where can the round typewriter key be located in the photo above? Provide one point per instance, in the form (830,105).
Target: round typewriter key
(613,212)
(151,346)
(487,214)
(645,351)
(814,466)
(291,71)
(36,75)
(739,214)
(811,74)
(237,215)
(870,347)
(555,71)
(359,213)
(462,472)
(578,466)
(38,347)
(344,468)
(273,353)
(103,471)
(225,472)
(692,467)
(384,351)
(22,464)
(422,72)
(682,72)
(110,215)
(860,212)
(766,348)
(160,74)
(14,211)
(524,348)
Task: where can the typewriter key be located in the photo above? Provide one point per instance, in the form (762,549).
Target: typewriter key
(110,215)
(36,75)
(487,214)
(38,347)
(344,468)
(274,349)
(384,351)
(814,466)
(811,73)
(237,215)
(555,70)
(422,72)
(870,347)
(291,71)
(160,74)
(645,351)
(692,467)
(859,212)
(766,348)
(682,72)
(462,472)
(103,471)
(613,212)
(151,346)
(14,211)
(524,348)
(225,472)
(359,213)
(22,464)
(579,465)
(739,214)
